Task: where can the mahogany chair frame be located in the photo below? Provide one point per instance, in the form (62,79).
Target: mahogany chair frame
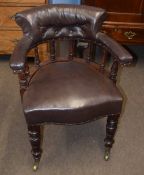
(25,76)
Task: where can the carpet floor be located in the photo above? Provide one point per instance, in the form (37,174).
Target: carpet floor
(74,150)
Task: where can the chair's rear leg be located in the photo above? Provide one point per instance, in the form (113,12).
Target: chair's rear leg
(111,127)
(34,132)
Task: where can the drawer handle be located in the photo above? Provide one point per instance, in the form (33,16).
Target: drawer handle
(130,34)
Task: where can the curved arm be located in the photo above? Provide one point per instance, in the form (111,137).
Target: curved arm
(18,57)
(123,56)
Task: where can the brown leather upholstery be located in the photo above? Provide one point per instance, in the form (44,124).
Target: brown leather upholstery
(115,48)
(53,21)
(70,92)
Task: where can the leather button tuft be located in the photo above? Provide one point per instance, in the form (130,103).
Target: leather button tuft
(56,32)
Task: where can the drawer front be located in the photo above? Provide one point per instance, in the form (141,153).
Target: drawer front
(128,6)
(6,14)
(24,1)
(125,35)
(8,40)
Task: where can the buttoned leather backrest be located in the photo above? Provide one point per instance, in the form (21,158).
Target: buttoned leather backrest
(54,21)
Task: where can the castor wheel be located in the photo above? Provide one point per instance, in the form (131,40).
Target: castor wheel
(107,154)
(35,165)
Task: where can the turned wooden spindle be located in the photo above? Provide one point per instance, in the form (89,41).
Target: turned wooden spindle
(111,127)
(114,71)
(72,49)
(103,60)
(24,79)
(52,50)
(90,52)
(34,132)
(37,59)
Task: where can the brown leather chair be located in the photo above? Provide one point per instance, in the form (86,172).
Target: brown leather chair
(67,90)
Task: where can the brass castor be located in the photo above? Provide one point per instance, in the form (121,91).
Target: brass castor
(35,165)
(107,154)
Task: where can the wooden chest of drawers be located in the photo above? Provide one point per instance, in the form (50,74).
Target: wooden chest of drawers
(125,21)
(10,33)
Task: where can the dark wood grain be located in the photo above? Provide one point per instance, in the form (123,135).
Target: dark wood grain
(52,50)
(123,16)
(114,71)
(24,76)
(111,127)
(103,60)
(72,49)
(34,132)
(37,59)
(91,55)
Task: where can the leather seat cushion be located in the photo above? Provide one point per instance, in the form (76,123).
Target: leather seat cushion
(70,92)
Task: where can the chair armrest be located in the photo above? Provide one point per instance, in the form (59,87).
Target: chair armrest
(18,57)
(118,51)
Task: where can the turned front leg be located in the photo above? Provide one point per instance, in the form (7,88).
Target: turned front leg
(111,127)
(34,132)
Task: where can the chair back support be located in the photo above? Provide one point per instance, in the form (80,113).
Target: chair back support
(51,22)
(59,21)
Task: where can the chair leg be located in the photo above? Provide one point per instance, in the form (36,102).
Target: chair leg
(34,132)
(111,127)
